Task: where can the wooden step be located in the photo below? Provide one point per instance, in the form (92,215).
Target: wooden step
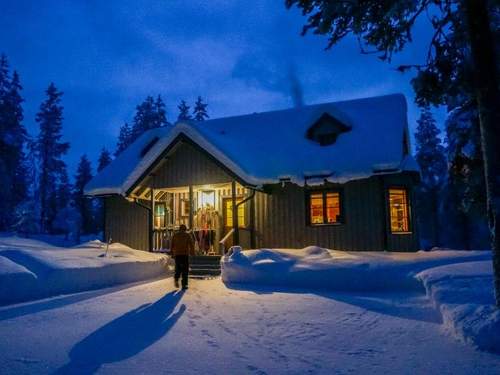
(205,272)
(204,265)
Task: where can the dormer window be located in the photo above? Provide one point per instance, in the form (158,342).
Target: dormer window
(326,130)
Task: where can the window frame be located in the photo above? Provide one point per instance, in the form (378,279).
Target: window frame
(324,193)
(164,216)
(228,199)
(408,210)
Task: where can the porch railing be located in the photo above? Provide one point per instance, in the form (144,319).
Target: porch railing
(162,239)
(223,241)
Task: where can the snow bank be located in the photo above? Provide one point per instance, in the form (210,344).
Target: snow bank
(463,293)
(314,267)
(13,274)
(30,269)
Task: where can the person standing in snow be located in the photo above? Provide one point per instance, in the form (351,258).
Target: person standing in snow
(182,247)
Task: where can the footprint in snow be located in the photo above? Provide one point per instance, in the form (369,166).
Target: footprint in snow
(256,370)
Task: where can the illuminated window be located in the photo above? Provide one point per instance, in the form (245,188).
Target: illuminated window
(324,208)
(399,210)
(160,215)
(229,213)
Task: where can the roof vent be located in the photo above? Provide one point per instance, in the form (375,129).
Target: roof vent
(326,130)
(149,146)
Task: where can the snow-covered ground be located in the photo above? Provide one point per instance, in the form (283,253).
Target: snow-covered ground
(31,269)
(459,283)
(274,311)
(315,267)
(214,329)
(463,293)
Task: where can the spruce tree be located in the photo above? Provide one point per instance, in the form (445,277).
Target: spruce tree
(431,159)
(124,139)
(84,205)
(161,113)
(465,194)
(150,114)
(104,159)
(200,110)
(63,191)
(145,117)
(183,111)
(13,136)
(50,150)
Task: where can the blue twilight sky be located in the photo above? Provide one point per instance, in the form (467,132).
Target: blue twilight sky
(107,56)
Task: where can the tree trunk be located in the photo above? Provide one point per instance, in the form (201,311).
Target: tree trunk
(488,101)
(436,227)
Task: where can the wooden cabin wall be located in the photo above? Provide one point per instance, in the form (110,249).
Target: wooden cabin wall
(281,219)
(126,222)
(187,165)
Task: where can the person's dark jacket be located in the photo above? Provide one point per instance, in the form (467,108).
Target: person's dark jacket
(182,244)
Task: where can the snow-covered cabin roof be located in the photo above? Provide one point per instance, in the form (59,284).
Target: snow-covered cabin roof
(263,148)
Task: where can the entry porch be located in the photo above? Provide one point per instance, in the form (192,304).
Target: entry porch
(217,216)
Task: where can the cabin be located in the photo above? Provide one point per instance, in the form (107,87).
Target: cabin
(338,175)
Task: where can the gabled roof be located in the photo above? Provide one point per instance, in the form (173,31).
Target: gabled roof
(265,147)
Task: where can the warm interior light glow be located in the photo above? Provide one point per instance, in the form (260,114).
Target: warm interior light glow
(324,208)
(317,208)
(399,210)
(208,198)
(229,213)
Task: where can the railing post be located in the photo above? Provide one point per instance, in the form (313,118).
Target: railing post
(191,196)
(151,221)
(236,236)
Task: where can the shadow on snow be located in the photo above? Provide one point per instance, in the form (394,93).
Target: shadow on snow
(411,305)
(125,336)
(50,303)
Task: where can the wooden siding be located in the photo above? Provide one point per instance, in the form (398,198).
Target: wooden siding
(127,222)
(186,165)
(281,218)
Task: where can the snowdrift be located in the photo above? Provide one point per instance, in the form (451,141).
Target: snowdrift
(463,293)
(30,269)
(318,268)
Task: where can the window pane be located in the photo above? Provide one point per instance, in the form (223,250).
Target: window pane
(229,213)
(316,204)
(159,215)
(332,207)
(398,210)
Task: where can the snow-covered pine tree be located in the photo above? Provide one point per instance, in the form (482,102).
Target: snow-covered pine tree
(124,138)
(84,205)
(183,111)
(200,110)
(104,159)
(431,159)
(49,151)
(13,137)
(465,199)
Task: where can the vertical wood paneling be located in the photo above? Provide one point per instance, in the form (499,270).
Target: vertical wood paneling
(127,223)
(280,220)
(187,165)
